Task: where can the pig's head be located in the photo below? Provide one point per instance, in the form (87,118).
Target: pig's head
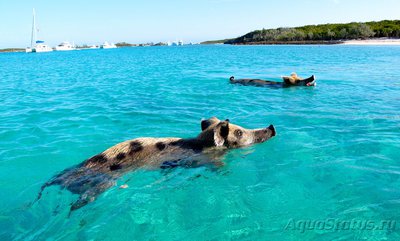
(225,134)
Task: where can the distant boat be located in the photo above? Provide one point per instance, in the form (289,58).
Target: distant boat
(41,47)
(175,43)
(65,46)
(37,46)
(107,45)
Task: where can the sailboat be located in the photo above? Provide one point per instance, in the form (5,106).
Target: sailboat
(37,46)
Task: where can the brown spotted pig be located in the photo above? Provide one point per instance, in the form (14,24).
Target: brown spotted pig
(96,174)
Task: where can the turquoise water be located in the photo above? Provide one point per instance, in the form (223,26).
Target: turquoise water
(336,155)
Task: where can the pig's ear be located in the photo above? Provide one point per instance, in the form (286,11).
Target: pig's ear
(207,123)
(221,132)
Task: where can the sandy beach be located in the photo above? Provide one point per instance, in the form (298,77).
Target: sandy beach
(379,41)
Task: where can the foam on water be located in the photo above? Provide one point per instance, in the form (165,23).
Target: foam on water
(336,154)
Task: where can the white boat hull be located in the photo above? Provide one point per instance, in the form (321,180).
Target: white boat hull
(65,46)
(40,48)
(106,45)
(64,49)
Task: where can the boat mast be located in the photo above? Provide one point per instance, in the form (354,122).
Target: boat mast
(33,37)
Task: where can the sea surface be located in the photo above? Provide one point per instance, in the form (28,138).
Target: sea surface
(335,159)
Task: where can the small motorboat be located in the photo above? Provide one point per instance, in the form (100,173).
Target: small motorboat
(287,82)
(107,45)
(65,46)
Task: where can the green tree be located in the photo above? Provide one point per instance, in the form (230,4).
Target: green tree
(323,32)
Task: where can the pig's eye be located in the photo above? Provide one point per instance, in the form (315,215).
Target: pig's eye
(238,133)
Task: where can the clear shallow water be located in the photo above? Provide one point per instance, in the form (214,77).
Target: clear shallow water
(336,154)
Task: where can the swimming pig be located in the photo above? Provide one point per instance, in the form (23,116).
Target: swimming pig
(96,174)
(288,81)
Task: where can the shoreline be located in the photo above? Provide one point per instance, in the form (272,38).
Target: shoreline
(306,42)
(12,50)
(378,41)
(374,41)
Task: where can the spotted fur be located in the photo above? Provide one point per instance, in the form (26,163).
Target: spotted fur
(96,174)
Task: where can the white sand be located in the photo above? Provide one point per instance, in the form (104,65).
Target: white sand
(378,41)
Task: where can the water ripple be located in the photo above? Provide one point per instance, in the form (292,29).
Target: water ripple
(335,155)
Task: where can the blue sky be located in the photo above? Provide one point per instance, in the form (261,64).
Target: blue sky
(95,21)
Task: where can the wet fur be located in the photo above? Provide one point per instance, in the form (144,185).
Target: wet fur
(288,81)
(98,173)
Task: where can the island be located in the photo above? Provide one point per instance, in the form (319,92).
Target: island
(319,34)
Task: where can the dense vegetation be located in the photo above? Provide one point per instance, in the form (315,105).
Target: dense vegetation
(216,41)
(322,32)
